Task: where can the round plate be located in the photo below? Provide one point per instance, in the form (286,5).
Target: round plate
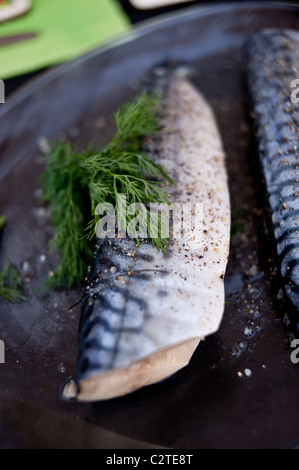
(240,388)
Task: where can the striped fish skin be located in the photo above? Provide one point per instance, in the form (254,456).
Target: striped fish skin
(272,64)
(144,313)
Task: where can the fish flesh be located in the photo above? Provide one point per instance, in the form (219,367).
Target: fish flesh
(272,61)
(143,313)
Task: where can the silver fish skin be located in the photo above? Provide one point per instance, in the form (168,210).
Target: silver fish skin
(144,313)
(272,58)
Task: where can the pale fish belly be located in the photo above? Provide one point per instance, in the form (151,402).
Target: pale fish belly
(144,313)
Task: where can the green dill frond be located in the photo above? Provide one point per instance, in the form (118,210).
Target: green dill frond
(10,279)
(237,221)
(10,284)
(75,183)
(2,222)
(64,189)
(135,120)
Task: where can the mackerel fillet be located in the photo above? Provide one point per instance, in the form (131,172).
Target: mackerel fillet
(144,313)
(273,71)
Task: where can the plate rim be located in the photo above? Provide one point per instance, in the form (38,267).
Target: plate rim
(137,31)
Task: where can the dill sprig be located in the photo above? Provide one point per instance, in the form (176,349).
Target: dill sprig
(2,222)
(75,183)
(10,284)
(10,280)
(64,190)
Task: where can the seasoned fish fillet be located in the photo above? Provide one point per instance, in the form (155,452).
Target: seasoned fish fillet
(273,65)
(144,313)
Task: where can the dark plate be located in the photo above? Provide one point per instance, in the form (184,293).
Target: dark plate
(241,388)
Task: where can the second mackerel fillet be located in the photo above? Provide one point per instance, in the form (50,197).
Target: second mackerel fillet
(272,59)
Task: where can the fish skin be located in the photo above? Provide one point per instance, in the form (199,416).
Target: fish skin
(144,313)
(272,61)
